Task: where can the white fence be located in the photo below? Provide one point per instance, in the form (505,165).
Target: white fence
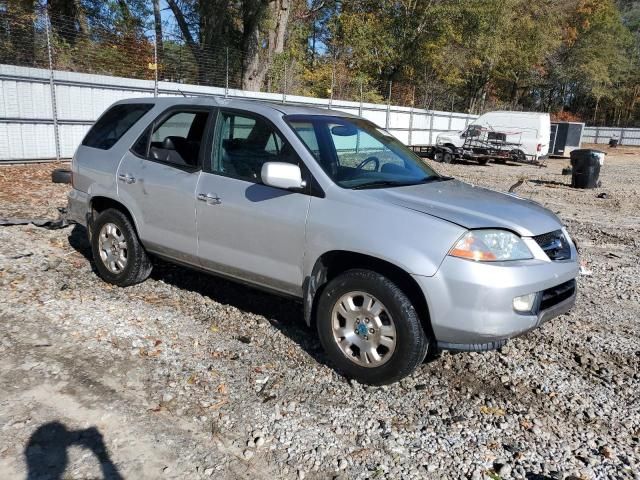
(602,135)
(34,124)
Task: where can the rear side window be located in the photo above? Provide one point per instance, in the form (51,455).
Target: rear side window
(111,126)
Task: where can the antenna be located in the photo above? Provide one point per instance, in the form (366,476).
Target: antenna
(183,94)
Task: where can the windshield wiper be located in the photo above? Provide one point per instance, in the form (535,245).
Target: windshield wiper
(392,183)
(435,179)
(382,183)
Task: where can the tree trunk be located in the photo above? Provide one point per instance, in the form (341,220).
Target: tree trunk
(188,38)
(81,17)
(256,59)
(21,33)
(63,15)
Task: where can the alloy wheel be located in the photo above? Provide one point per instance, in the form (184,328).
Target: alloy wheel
(112,246)
(363,329)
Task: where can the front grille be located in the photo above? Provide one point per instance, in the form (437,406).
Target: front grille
(555,295)
(555,245)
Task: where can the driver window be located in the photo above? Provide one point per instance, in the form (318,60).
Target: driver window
(357,149)
(244,143)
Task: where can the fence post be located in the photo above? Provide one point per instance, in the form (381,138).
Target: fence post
(360,106)
(52,85)
(333,80)
(450,116)
(155,62)
(388,107)
(284,86)
(226,81)
(621,136)
(597,134)
(431,128)
(413,99)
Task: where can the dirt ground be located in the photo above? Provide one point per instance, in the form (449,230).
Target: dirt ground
(190,376)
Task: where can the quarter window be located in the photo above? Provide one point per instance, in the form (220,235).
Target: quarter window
(112,125)
(245,143)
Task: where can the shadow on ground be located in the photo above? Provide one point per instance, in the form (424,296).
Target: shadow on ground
(284,314)
(46,454)
(550,183)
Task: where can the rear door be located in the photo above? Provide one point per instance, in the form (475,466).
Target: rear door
(157,181)
(246,229)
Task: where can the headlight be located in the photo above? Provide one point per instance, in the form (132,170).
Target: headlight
(491,246)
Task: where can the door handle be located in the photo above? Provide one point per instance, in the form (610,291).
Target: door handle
(126,178)
(210,198)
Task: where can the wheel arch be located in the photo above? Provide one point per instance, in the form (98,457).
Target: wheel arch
(333,263)
(100,203)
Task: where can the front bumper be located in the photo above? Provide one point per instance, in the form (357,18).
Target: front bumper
(471,303)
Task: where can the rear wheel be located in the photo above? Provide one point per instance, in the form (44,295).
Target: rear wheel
(369,328)
(447,157)
(483,161)
(118,254)
(518,155)
(438,156)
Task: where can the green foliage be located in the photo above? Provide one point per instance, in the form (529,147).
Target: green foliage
(574,58)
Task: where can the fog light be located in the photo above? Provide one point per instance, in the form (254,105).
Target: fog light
(524,304)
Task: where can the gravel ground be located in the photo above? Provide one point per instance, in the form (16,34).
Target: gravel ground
(190,376)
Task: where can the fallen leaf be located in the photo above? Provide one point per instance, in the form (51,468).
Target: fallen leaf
(491,411)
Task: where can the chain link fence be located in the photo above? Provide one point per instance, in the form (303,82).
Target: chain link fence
(78,45)
(123,62)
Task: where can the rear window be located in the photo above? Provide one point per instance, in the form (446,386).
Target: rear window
(112,125)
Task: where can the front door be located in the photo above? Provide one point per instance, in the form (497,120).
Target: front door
(248,230)
(157,181)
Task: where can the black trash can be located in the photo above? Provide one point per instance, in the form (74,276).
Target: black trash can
(585,165)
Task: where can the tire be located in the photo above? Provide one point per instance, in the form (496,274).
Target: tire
(518,156)
(396,319)
(61,175)
(128,264)
(438,156)
(447,157)
(484,161)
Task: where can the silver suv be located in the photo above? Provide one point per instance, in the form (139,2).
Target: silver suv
(391,260)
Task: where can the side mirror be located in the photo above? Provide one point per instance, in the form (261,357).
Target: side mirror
(282,175)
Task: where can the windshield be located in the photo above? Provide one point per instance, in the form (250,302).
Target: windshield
(357,154)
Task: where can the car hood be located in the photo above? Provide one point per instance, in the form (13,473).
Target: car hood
(472,207)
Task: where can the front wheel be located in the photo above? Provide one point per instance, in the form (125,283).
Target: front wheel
(369,328)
